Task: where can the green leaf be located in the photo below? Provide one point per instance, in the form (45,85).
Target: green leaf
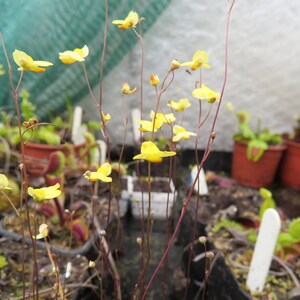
(226,224)
(3,262)
(256,149)
(286,239)
(252,235)
(294,229)
(267,203)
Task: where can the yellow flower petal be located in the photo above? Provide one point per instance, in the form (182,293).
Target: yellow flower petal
(44,193)
(181,133)
(200,59)
(182,104)
(151,153)
(26,62)
(126,89)
(77,55)
(101,174)
(206,93)
(129,22)
(4,183)
(43,232)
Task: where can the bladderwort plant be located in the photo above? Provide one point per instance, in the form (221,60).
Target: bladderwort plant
(162,120)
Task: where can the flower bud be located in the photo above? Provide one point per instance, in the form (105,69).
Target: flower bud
(175,64)
(154,80)
(202,239)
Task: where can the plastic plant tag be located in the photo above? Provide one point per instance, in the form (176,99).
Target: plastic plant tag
(263,250)
(100,152)
(77,130)
(136,115)
(201,185)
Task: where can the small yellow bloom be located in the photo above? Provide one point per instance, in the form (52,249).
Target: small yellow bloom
(147,126)
(106,118)
(130,21)
(230,106)
(92,264)
(26,62)
(175,64)
(163,118)
(151,153)
(154,80)
(101,174)
(206,93)
(126,89)
(44,193)
(43,232)
(4,183)
(181,133)
(200,59)
(77,55)
(182,104)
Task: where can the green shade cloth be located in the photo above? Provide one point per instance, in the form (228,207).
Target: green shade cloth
(43,28)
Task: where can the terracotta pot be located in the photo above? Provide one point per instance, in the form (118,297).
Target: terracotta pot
(255,174)
(36,156)
(290,167)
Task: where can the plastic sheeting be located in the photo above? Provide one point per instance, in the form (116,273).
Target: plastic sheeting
(43,28)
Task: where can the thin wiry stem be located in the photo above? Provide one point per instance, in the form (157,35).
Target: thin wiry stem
(201,163)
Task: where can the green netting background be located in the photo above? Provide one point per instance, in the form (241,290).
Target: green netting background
(43,28)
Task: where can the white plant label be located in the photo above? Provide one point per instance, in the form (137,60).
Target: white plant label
(263,250)
(77,129)
(201,185)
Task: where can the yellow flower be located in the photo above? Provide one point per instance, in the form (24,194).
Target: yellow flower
(126,89)
(4,183)
(101,174)
(154,80)
(92,264)
(163,118)
(147,126)
(106,118)
(26,62)
(43,232)
(230,106)
(175,64)
(2,71)
(181,133)
(200,59)
(130,21)
(44,193)
(182,104)
(151,153)
(206,93)
(78,54)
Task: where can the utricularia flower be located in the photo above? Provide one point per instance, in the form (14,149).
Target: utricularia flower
(126,89)
(43,232)
(4,183)
(199,60)
(44,193)
(106,118)
(129,22)
(26,62)
(77,55)
(163,118)
(151,153)
(101,174)
(206,93)
(182,104)
(181,133)
(154,80)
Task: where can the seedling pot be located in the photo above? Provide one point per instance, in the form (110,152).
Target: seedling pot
(255,174)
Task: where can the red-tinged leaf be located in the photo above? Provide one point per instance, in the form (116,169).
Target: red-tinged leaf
(56,163)
(47,209)
(80,230)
